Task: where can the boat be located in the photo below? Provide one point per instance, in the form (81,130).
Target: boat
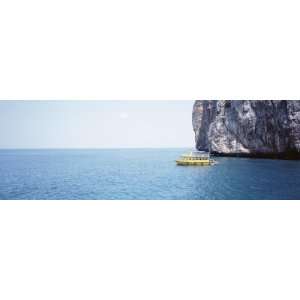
(195,158)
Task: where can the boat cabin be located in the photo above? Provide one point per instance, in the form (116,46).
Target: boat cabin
(196,155)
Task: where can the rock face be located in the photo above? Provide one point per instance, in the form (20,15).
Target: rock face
(248,128)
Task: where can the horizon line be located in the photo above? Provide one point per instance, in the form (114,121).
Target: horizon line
(93,148)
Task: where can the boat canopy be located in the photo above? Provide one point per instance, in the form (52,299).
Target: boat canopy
(200,154)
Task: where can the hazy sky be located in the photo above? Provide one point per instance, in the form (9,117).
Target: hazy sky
(95,124)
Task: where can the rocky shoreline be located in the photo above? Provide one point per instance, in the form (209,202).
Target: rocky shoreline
(243,128)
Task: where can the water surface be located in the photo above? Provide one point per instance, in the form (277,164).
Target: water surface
(141,174)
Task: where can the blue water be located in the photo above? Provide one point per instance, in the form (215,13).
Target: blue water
(141,174)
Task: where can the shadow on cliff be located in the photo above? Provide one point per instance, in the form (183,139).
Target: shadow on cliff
(288,155)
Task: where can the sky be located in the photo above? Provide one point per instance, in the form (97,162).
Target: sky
(96,124)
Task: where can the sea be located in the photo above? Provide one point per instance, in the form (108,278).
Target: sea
(141,174)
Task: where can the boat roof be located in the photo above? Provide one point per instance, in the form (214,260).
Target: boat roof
(197,153)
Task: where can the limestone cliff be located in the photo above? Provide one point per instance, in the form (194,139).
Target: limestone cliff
(256,128)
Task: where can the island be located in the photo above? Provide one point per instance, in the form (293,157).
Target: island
(251,128)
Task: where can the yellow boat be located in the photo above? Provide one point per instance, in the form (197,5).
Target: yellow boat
(195,158)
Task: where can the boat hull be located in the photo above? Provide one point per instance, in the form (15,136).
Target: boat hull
(194,163)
